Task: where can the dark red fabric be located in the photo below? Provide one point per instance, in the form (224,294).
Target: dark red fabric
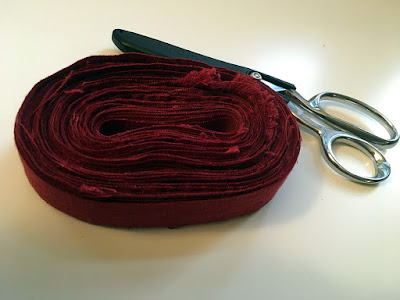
(134,140)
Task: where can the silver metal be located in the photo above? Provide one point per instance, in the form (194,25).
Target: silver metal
(256,75)
(315,103)
(334,130)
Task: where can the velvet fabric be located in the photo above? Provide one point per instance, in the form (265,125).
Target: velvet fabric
(135,140)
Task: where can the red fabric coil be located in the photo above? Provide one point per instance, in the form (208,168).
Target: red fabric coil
(134,140)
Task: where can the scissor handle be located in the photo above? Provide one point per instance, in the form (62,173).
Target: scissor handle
(316,101)
(330,137)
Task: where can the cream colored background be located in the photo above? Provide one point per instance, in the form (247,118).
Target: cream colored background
(321,237)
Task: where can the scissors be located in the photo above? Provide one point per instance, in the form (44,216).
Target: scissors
(310,113)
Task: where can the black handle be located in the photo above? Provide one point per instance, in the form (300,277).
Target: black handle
(128,41)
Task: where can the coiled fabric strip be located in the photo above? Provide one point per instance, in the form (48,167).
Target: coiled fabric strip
(134,140)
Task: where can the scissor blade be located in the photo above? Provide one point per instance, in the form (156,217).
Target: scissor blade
(128,41)
(280,90)
(276,88)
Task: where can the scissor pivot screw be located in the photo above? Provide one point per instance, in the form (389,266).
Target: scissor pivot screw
(256,75)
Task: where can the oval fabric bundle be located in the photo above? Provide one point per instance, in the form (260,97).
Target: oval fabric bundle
(134,140)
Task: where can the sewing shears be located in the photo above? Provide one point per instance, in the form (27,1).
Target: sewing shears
(310,113)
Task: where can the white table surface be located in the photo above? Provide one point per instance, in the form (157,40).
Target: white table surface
(321,237)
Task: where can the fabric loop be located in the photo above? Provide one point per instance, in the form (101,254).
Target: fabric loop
(134,140)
